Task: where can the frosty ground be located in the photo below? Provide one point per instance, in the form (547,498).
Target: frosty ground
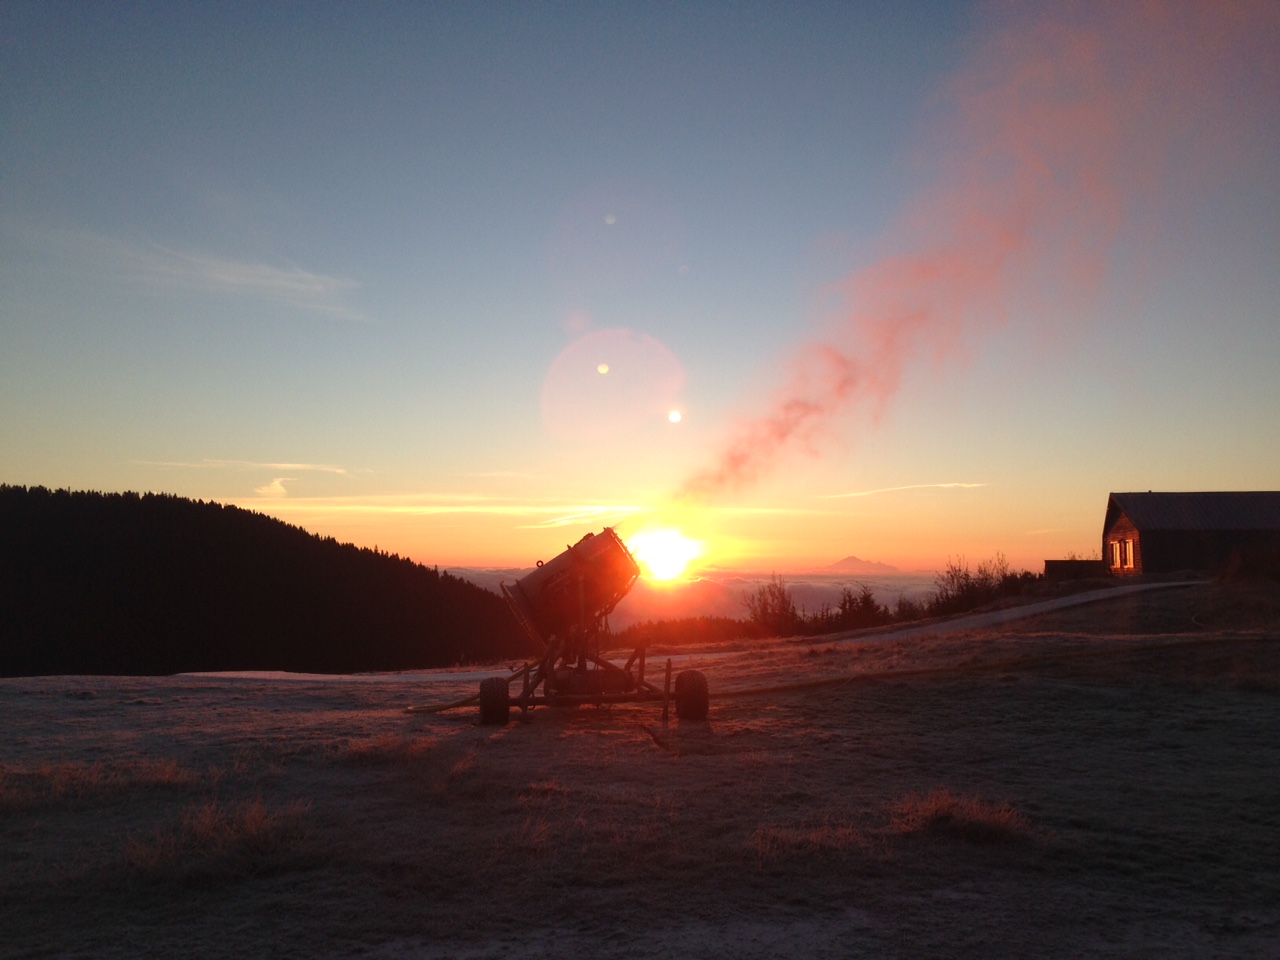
(1098,781)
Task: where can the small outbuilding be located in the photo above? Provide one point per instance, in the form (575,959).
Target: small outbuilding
(1167,532)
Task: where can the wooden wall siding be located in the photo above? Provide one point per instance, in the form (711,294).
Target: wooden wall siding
(1170,551)
(1206,532)
(1123,529)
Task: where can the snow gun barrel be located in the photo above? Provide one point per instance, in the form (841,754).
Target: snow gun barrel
(569,594)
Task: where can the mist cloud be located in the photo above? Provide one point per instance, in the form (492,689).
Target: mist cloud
(1067,120)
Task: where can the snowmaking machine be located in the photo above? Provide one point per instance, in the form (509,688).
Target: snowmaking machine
(563,605)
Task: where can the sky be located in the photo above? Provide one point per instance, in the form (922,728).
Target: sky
(921,281)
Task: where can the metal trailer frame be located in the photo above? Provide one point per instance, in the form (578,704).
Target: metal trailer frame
(563,605)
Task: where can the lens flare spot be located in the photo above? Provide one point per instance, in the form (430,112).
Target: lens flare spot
(602,368)
(675,416)
(663,554)
(641,386)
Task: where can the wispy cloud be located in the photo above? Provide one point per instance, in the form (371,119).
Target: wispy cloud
(527,513)
(164,266)
(292,286)
(735,511)
(592,514)
(246,465)
(910,486)
(538,513)
(275,488)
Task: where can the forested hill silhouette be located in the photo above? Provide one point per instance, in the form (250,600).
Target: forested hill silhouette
(123,583)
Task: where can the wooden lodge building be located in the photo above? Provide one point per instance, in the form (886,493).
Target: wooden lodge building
(1167,532)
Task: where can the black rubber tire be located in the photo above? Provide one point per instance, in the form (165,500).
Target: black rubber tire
(495,704)
(692,698)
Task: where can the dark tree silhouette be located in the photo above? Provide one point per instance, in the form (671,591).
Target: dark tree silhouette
(156,584)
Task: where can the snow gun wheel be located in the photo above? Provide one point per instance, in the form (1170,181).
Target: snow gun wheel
(495,705)
(691,695)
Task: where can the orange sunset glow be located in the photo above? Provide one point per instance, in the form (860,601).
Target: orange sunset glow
(663,554)
(649,480)
(903,333)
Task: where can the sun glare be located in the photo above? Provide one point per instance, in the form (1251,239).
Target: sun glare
(663,554)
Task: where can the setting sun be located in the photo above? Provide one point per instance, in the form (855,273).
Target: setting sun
(663,554)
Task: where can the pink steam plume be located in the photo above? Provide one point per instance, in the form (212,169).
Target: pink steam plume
(1069,119)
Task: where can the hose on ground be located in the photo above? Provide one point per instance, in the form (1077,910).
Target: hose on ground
(442,707)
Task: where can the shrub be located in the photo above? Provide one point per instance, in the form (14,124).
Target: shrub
(772,609)
(957,589)
(905,610)
(862,609)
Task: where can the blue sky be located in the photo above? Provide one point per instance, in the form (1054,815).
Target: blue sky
(321,260)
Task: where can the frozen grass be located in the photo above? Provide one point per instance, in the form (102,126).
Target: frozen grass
(49,785)
(535,836)
(215,842)
(786,812)
(542,790)
(388,749)
(772,842)
(943,814)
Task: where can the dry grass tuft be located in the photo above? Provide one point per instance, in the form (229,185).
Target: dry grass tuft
(213,842)
(943,814)
(771,842)
(543,790)
(464,764)
(388,749)
(535,835)
(76,784)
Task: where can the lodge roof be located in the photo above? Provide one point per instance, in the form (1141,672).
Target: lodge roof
(1251,510)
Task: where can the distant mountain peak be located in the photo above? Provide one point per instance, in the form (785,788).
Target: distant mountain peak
(858,565)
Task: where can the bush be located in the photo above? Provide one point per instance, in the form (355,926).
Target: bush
(906,610)
(772,610)
(959,590)
(862,609)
